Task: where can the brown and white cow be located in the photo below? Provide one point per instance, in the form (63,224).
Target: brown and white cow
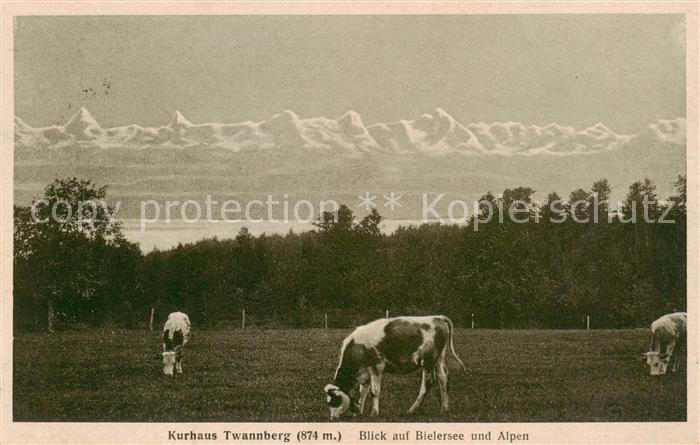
(176,334)
(668,334)
(397,345)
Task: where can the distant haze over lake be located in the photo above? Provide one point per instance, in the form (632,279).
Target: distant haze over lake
(164,236)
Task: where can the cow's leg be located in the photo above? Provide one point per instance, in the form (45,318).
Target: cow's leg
(679,350)
(178,365)
(670,348)
(375,375)
(441,371)
(364,390)
(425,385)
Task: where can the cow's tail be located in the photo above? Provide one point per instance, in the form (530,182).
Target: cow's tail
(452,345)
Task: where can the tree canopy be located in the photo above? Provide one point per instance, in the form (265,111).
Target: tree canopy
(536,273)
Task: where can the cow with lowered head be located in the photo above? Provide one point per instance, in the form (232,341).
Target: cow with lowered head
(176,334)
(668,335)
(397,345)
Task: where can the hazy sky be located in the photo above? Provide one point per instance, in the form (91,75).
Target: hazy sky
(623,70)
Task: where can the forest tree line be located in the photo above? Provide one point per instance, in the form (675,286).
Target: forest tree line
(82,271)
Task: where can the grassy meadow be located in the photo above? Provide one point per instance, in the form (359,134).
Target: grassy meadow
(278,375)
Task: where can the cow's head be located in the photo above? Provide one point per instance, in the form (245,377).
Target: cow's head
(169,360)
(658,363)
(338,401)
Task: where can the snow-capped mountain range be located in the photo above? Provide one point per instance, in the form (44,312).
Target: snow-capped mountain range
(437,132)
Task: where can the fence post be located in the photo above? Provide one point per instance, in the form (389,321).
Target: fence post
(150,323)
(588,323)
(472,321)
(325,321)
(387,313)
(51,316)
(242,319)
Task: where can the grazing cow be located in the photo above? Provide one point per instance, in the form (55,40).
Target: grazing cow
(668,334)
(398,345)
(176,333)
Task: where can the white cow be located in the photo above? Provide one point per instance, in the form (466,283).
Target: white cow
(176,334)
(668,334)
(397,345)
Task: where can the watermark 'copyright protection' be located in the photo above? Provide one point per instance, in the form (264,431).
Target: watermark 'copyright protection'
(433,208)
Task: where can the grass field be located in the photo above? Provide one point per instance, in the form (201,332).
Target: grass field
(278,375)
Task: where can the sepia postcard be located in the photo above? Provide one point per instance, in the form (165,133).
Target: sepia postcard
(312,222)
